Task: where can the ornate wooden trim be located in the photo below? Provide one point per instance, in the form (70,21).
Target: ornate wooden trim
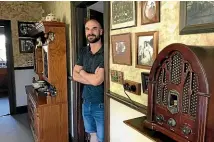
(203,116)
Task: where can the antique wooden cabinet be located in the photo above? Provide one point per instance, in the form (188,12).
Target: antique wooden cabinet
(181,87)
(48,109)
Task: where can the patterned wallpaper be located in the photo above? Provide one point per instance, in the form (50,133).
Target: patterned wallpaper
(20,11)
(168,33)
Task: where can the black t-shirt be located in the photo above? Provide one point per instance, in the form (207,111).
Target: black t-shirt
(90,61)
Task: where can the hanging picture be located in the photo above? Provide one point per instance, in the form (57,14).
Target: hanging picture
(145,81)
(196,17)
(146,49)
(150,12)
(24,28)
(121,49)
(26,45)
(123,14)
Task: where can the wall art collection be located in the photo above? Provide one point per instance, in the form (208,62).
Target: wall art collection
(26,42)
(195,17)
(124,15)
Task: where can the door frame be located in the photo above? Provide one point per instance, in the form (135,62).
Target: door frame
(77,16)
(10,65)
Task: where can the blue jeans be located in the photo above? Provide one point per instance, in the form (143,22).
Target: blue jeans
(93,117)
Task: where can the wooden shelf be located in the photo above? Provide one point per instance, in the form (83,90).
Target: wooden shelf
(137,124)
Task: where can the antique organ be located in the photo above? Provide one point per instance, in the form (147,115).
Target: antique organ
(181,87)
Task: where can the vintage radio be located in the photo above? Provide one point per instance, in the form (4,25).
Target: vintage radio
(181,87)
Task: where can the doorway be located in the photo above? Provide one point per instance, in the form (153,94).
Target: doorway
(7,86)
(4,96)
(81,12)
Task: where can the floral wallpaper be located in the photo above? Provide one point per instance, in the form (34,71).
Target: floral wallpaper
(20,11)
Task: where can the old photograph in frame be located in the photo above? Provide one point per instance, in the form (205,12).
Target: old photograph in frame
(146,49)
(121,49)
(26,45)
(196,17)
(145,81)
(24,28)
(123,14)
(150,12)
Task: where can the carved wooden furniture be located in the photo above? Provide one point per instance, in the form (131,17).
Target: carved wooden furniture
(38,63)
(181,101)
(48,110)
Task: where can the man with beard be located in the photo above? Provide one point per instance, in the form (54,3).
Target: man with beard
(89,70)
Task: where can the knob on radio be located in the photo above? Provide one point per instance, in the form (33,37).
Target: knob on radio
(186,130)
(171,122)
(159,118)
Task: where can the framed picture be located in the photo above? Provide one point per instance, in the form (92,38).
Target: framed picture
(24,28)
(196,17)
(145,80)
(123,14)
(117,76)
(150,12)
(146,49)
(26,45)
(121,49)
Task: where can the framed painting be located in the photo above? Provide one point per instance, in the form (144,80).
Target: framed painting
(196,17)
(121,49)
(26,45)
(145,80)
(24,28)
(123,14)
(146,49)
(117,76)
(150,12)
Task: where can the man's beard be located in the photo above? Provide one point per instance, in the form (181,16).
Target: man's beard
(94,40)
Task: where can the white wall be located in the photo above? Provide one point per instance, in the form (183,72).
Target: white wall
(22,78)
(119,131)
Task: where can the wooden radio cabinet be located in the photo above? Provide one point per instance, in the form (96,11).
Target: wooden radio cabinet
(48,111)
(180,93)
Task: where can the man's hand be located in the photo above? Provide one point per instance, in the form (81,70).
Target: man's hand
(97,69)
(76,75)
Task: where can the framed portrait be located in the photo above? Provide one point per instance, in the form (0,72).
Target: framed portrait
(146,49)
(145,81)
(121,49)
(196,17)
(150,12)
(26,45)
(24,28)
(123,14)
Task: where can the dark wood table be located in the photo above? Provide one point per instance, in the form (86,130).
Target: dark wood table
(137,124)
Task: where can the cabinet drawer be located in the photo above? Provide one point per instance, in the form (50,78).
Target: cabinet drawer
(33,119)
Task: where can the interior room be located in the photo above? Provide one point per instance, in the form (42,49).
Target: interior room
(4,97)
(158,77)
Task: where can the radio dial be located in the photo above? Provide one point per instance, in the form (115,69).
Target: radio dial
(186,130)
(171,122)
(159,118)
